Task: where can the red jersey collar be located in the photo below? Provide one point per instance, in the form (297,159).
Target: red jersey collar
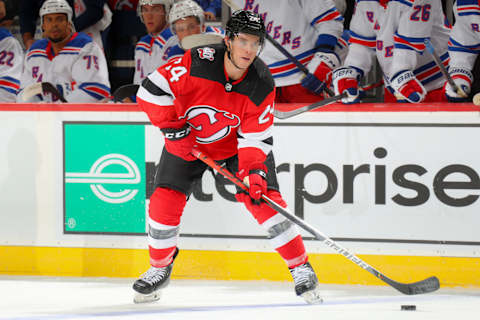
(49,49)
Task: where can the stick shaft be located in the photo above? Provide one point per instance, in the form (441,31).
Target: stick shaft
(288,114)
(424,286)
(443,70)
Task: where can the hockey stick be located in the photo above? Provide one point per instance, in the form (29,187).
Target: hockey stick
(425,286)
(125,91)
(47,87)
(288,114)
(202,39)
(439,63)
(40,88)
(279,47)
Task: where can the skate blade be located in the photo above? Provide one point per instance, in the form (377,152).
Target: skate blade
(312,296)
(146,298)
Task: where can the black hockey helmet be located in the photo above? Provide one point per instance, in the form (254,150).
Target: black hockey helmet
(243,21)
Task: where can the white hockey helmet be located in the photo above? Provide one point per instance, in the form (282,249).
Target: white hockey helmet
(186,8)
(166,4)
(56,6)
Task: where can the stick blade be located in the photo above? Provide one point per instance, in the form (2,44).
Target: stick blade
(202,39)
(424,286)
(125,91)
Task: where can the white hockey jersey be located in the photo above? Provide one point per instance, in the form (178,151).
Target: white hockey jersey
(80,68)
(464,45)
(296,25)
(151,52)
(95,30)
(11,65)
(395,32)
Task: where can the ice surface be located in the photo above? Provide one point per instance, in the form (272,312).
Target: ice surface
(87,298)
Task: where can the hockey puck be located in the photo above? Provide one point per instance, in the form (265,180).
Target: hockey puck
(410,307)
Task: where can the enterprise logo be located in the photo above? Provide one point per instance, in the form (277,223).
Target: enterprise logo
(97,178)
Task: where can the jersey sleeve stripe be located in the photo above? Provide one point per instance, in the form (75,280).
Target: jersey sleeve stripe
(331,14)
(469,11)
(289,67)
(9,82)
(95,89)
(457,46)
(430,71)
(163,100)
(409,43)
(159,80)
(370,42)
(408,3)
(260,140)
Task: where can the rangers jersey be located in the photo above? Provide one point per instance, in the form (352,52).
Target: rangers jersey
(11,65)
(177,50)
(94,30)
(296,25)
(152,52)
(227,117)
(79,69)
(464,45)
(395,32)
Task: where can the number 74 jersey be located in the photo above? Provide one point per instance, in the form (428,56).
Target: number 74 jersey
(227,117)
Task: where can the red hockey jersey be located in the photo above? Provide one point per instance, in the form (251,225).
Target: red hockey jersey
(227,117)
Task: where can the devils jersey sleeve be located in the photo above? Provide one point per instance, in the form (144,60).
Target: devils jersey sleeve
(226,117)
(11,64)
(464,44)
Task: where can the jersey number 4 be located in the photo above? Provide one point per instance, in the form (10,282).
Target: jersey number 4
(176,71)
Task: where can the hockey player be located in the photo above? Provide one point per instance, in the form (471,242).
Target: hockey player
(394,31)
(463,48)
(11,65)
(152,50)
(310,30)
(92,17)
(218,99)
(69,60)
(187,18)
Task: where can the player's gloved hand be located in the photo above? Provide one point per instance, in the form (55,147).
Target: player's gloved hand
(179,140)
(406,84)
(463,79)
(64,89)
(255,177)
(320,69)
(345,79)
(262,209)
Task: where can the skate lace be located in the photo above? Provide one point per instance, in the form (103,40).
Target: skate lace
(154,275)
(301,274)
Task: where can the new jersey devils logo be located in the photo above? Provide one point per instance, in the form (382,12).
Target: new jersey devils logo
(206,53)
(210,124)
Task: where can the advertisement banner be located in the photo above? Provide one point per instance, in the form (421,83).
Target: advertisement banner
(104,178)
